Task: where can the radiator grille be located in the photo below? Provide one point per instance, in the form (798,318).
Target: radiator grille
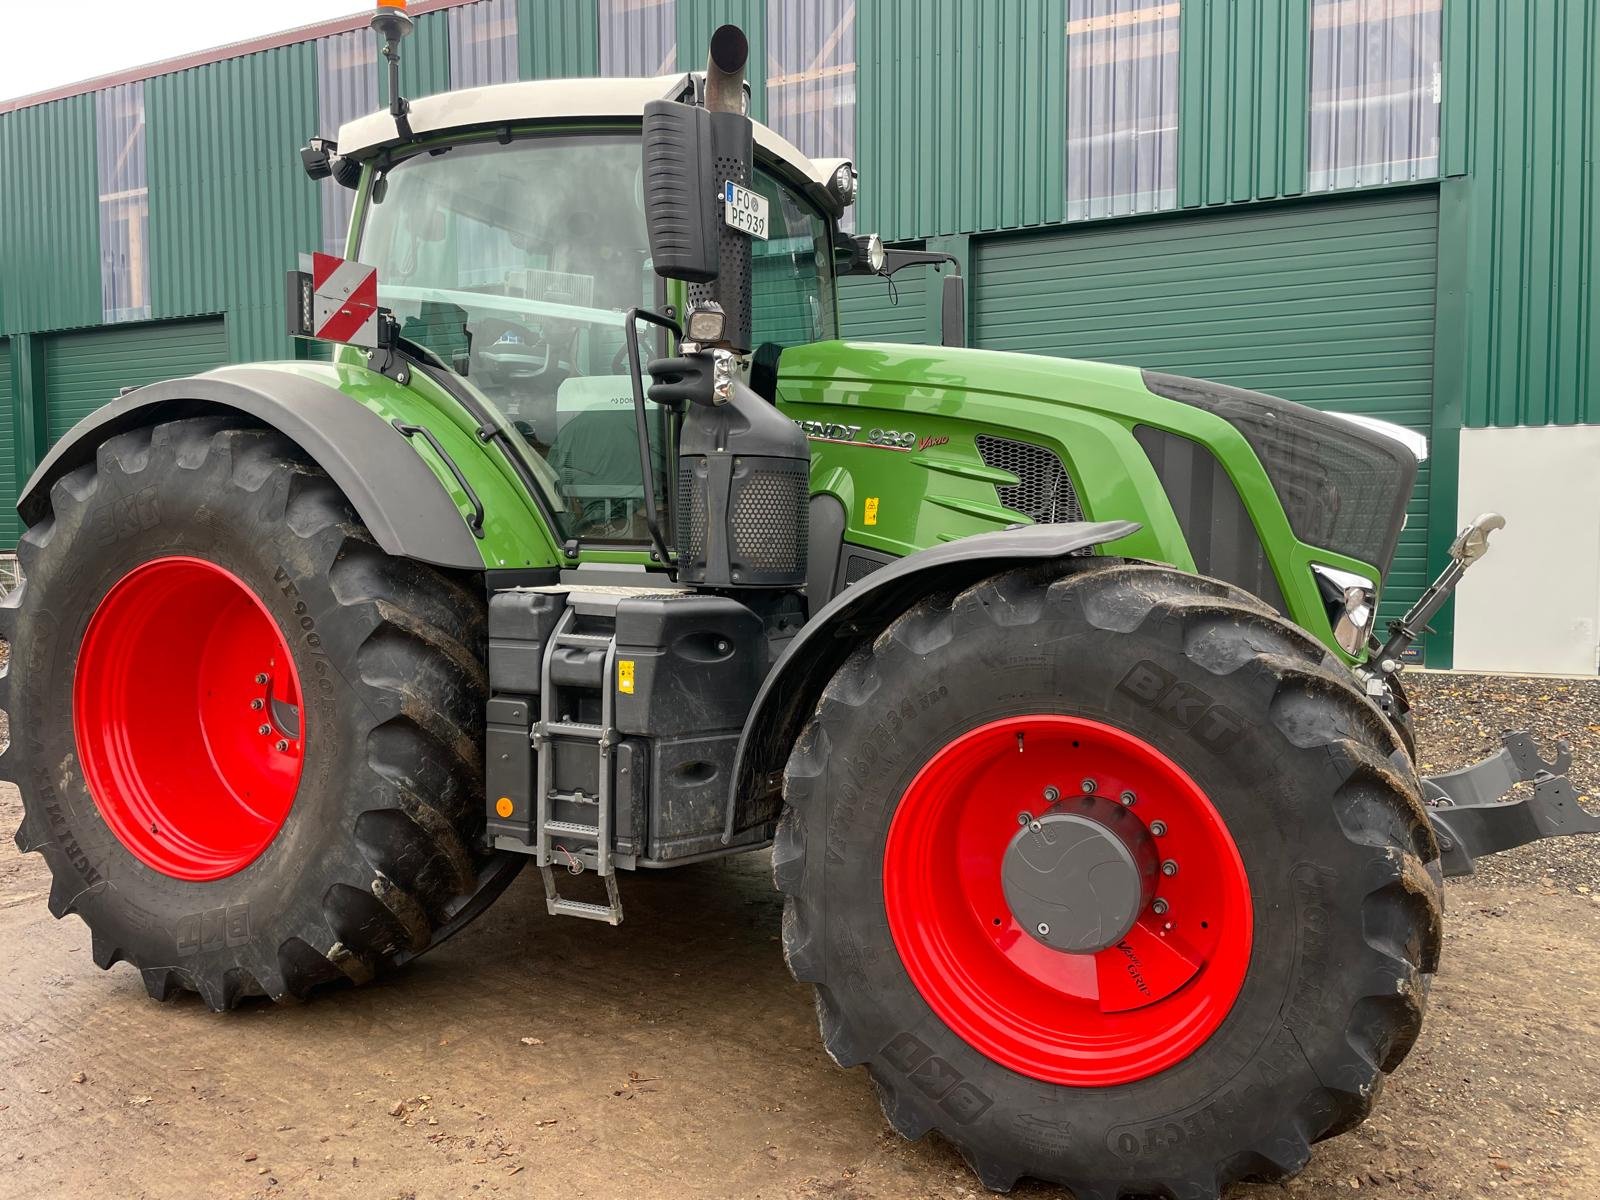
(1043,490)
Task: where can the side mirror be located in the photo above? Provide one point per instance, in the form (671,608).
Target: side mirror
(679,204)
(953,312)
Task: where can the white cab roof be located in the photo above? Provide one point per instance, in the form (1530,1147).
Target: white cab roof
(549,100)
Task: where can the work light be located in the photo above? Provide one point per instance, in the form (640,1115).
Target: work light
(706,323)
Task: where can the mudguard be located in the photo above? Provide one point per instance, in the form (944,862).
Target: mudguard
(398,497)
(791,689)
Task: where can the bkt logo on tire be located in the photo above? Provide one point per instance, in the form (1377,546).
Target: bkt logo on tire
(935,1078)
(1182,704)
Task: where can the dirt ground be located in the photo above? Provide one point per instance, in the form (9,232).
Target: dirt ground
(673,1056)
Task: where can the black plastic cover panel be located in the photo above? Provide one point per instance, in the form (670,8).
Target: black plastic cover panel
(1342,487)
(1221,536)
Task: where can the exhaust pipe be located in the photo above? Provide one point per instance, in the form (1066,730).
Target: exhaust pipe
(732,138)
(730,50)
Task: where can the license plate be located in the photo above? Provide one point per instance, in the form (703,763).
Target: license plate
(744,210)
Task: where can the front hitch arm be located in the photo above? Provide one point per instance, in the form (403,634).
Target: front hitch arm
(1471,818)
(1471,544)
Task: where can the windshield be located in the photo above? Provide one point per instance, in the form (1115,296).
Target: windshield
(515,264)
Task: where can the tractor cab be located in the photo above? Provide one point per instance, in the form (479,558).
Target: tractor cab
(510,241)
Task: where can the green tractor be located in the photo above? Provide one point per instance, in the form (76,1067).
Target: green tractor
(1052,686)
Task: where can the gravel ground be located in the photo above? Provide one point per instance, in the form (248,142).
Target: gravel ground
(1459,719)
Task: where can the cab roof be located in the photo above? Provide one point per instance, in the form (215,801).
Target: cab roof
(563,100)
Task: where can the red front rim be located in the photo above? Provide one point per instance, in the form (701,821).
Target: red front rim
(1090,1019)
(188,718)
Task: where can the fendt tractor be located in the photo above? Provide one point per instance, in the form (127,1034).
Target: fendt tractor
(1053,687)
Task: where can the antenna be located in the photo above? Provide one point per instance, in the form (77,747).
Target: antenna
(393,24)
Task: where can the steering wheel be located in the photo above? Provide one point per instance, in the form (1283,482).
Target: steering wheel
(505,352)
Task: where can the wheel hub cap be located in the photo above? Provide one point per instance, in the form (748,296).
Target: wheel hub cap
(1076,877)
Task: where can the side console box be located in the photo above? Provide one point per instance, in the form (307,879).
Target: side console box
(687,667)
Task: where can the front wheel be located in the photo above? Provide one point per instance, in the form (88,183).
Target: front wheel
(248,741)
(1108,875)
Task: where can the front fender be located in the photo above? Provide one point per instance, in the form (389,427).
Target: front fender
(790,692)
(398,498)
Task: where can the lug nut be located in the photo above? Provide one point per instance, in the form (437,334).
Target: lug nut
(1052,794)
(261,678)
(1159,828)
(256,705)
(1169,868)
(1127,798)
(263,730)
(1024,817)
(1158,906)
(1044,929)
(1087,787)
(281,744)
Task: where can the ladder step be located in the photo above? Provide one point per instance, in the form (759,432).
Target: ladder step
(600,640)
(574,729)
(582,908)
(571,829)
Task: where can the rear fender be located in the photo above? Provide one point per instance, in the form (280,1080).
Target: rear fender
(397,496)
(790,692)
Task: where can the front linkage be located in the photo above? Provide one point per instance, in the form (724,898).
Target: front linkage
(1467,807)
(1471,818)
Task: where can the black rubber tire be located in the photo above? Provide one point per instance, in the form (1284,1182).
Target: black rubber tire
(382,843)
(1333,836)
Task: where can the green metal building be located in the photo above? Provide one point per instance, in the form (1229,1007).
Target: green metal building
(1387,207)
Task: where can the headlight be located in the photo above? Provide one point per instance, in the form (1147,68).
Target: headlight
(875,255)
(1352,604)
(843,184)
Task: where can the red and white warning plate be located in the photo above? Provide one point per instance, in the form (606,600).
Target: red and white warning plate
(344,296)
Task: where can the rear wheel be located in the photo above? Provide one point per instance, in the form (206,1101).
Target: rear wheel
(1107,875)
(248,741)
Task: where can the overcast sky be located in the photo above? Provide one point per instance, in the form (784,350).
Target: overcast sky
(46,43)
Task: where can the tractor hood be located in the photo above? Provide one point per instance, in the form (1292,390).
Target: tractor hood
(1336,488)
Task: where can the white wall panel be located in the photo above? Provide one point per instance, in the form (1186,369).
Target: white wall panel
(1533,603)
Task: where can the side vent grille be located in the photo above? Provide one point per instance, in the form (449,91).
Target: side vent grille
(1043,490)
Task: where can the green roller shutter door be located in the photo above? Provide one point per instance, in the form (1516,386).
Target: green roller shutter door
(10,525)
(1329,303)
(87,369)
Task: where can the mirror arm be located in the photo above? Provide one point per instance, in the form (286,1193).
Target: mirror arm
(893,260)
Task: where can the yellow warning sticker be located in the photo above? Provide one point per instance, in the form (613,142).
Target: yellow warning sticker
(625,675)
(871,515)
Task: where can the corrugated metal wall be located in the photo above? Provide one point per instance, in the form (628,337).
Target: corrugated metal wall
(638,37)
(424,59)
(230,206)
(347,87)
(49,217)
(968,95)
(1242,118)
(483,43)
(1528,211)
(558,40)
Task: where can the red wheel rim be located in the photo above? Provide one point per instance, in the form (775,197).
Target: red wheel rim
(188,718)
(1088,1019)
